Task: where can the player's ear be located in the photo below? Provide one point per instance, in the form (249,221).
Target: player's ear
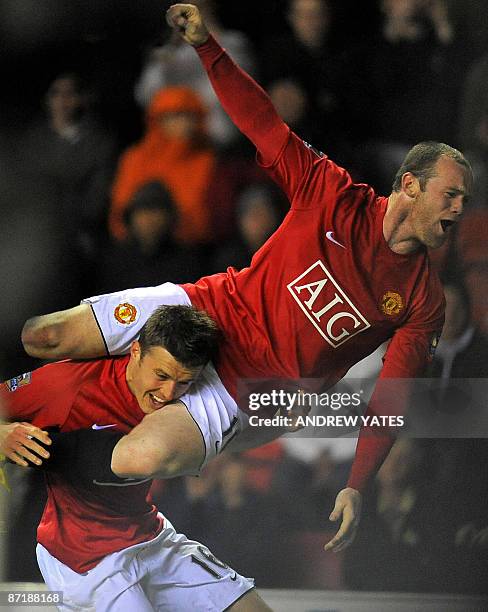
(135,351)
(410,184)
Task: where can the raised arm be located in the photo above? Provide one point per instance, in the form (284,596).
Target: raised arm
(245,102)
(72,333)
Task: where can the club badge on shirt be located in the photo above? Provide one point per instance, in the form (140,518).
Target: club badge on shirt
(392,303)
(126,313)
(19,381)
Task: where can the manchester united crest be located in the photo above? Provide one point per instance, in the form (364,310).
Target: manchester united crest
(392,303)
(125,313)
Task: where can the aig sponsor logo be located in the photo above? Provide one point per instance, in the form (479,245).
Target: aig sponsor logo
(326,305)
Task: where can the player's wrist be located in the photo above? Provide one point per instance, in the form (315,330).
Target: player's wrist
(200,39)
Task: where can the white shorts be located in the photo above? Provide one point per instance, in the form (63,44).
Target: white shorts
(169,573)
(120,317)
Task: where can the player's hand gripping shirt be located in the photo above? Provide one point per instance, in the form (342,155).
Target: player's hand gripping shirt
(83,523)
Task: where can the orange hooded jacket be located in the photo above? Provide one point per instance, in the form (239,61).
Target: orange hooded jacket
(185,166)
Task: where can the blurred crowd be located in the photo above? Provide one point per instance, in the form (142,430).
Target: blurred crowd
(122,170)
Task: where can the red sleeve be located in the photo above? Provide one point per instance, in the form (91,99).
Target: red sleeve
(21,397)
(296,166)
(246,103)
(409,354)
(43,397)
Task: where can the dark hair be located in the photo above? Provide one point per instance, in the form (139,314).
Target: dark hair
(153,195)
(422,158)
(190,335)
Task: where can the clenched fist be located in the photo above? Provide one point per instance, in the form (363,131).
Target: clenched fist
(187,20)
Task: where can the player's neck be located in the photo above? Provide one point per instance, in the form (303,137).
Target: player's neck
(397,228)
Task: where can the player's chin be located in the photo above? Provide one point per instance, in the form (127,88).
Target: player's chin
(153,405)
(148,405)
(148,409)
(435,240)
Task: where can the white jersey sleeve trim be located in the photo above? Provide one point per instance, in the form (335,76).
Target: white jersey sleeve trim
(122,314)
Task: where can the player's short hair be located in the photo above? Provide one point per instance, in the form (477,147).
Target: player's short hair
(190,335)
(421,161)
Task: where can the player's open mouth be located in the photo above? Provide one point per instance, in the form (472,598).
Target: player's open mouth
(157,401)
(446,224)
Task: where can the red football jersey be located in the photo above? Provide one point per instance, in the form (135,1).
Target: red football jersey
(325,290)
(83,523)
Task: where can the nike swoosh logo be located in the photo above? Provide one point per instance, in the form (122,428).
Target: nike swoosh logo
(330,236)
(95,426)
(234,577)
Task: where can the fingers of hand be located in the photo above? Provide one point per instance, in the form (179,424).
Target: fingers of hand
(178,15)
(31,445)
(34,432)
(20,445)
(347,530)
(337,511)
(22,456)
(342,539)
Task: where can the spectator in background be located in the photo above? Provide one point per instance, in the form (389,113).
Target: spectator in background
(421,537)
(238,519)
(174,150)
(174,63)
(390,545)
(292,104)
(309,56)
(150,251)
(473,126)
(462,351)
(260,540)
(454,529)
(74,157)
(414,71)
(259,212)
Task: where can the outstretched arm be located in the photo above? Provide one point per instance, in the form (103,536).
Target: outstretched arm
(407,358)
(165,444)
(72,333)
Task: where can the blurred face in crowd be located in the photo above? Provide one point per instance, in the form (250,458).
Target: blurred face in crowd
(257,222)
(400,9)
(441,203)
(157,378)
(457,313)
(179,125)
(309,20)
(149,226)
(289,99)
(64,100)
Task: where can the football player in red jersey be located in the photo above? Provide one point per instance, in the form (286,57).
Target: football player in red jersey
(346,271)
(100,540)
